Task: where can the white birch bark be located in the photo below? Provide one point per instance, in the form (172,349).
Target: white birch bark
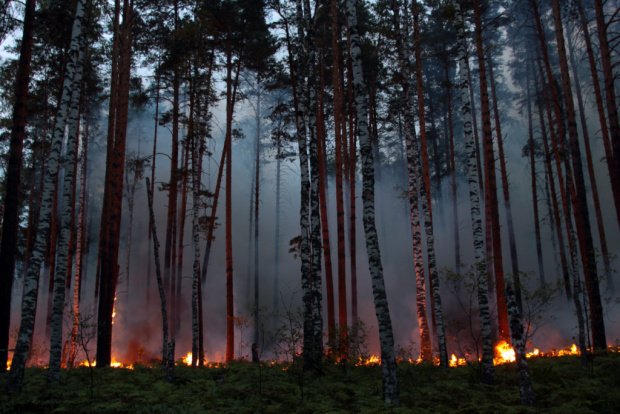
(488,371)
(413,178)
(386,337)
(67,115)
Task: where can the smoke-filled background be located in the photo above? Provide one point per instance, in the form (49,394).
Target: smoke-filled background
(137,322)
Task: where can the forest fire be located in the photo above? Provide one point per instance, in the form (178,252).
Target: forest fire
(504,353)
(187,359)
(371,360)
(456,362)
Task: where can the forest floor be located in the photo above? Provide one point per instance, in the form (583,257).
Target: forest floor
(562,385)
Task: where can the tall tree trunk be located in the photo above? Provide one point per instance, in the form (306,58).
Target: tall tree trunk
(67,109)
(10,218)
(612,116)
(67,210)
(169,247)
(111,216)
(181,230)
(532,154)
(256,306)
(614,176)
(340,136)
(491,205)
(413,190)
(558,163)
(425,192)
(230,327)
(153,163)
(388,360)
(473,177)
(327,256)
(165,353)
(80,247)
(514,259)
(582,220)
(593,186)
(452,163)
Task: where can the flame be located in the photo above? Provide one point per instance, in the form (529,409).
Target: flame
(534,353)
(371,360)
(457,362)
(113,364)
(187,359)
(504,353)
(114,310)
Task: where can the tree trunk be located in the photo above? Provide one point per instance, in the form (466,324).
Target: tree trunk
(111,216)
(614,130)
(388,360)
(593,186)
(532,154)
(68,101)
(488,371)
(582,220)
(425,192)
(327,257)
(339,127)
(10,219)
(518,342)
(514,260)
(414,187)
(80,247)
(491,206)
(165,353)
(614,176)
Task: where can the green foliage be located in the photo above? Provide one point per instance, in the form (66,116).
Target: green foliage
(561,385)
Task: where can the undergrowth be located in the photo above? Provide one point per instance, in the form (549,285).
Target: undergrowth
(561,386)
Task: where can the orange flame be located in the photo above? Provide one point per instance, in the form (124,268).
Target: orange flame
(457,362)
(187,359)
(504,353)
(371,360)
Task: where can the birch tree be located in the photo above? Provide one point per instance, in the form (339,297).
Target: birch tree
(66,110)
(386,337)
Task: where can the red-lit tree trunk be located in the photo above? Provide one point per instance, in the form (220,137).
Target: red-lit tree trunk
(181,234)
(612,115)
(413,160)
(591,174)
(10,218)
(232,80)
(340,136)
(327,255)
(578,190)
(614,177)
(491,205)
(514,259)
(426,199)
(113,191)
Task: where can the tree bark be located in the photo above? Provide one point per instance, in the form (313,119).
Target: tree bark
(10,218)
(388,360)
(491,205)
(473,177)
(69,98)
(580,205)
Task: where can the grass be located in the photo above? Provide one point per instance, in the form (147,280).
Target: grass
(561,386)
